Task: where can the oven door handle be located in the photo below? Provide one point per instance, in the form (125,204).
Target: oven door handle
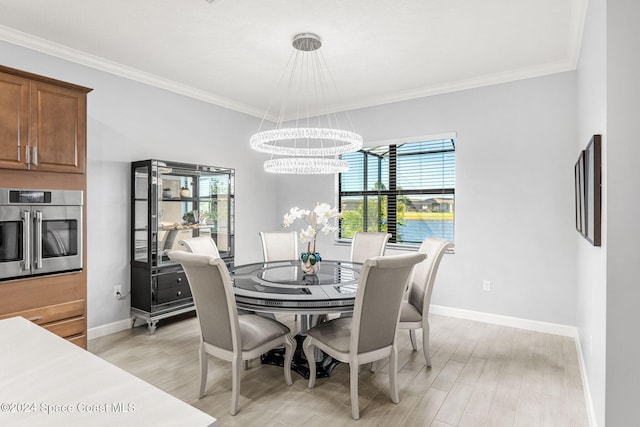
(26,240)
(38,239)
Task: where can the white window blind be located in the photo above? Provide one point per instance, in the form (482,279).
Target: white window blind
(405,189)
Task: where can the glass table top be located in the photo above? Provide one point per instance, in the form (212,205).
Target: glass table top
(282,286)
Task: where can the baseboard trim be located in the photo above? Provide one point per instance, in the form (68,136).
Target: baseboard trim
(109,328)
(514,322)
(591,413)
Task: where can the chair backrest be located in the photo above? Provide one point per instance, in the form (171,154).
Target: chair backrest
(376,312)
(203,245)
(214,299)
(424,274)
(279,246)
(368,244)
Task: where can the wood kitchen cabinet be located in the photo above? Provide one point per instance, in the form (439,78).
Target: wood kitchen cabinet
(42,123)
(43,146)
(55,302)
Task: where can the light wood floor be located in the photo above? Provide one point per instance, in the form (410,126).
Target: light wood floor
(482,375)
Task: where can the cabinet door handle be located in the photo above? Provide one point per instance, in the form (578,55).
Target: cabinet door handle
(179,293)
(179,279)
(34,318)
(34,155)
(27,154)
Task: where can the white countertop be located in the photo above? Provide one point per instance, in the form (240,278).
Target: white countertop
(48,381)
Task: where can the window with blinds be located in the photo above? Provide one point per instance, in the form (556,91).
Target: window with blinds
(406,189)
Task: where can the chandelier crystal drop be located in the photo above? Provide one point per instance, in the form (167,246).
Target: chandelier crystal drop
(309,142)
(344,141)
(306,165)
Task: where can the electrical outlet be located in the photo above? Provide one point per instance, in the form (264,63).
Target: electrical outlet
(486,285)
(117,291)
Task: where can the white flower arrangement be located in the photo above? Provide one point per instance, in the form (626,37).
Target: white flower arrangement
(319,219)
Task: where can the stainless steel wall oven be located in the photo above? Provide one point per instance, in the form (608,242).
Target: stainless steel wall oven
(40,232)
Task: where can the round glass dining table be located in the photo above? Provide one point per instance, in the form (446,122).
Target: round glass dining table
(282,287)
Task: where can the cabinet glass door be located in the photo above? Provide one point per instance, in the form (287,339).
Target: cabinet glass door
(140,218)
(216,209)
(178,215)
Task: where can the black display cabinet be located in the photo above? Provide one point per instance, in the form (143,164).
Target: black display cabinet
(169,202)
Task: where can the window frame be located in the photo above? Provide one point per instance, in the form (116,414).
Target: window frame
(393,193)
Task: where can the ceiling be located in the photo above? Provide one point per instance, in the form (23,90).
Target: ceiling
(233,52)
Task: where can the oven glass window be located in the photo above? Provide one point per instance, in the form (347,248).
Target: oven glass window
(59,238)
(11,241)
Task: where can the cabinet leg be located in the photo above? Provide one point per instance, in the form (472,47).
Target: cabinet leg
(151,326)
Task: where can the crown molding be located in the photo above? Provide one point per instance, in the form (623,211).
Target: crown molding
(473,83)
(83,58)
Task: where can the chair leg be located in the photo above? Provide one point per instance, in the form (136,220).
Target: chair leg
(203,371)
(289,349)
(307,347)
(235,385)
(425,343)
(412,337)
(393,371)
(353,374)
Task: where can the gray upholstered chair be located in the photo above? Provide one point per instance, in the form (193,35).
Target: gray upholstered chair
(203,245)
(370,334)
(279,246)
(224,333)
(414,312)
(368,244)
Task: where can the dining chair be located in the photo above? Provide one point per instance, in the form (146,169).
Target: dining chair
(223,332)
(370,335)
(368,244)
(203,245)
(414,312)
(279,246)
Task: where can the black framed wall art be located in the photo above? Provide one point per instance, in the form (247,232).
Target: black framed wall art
(579,193)
(589,196)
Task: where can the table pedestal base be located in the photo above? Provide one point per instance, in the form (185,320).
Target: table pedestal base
(300,365)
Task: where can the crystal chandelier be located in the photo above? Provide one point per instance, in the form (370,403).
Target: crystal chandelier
(310,143)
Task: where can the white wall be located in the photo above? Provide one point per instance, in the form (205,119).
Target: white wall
(623,205)
(130,121)
(516,150)
(608,292)
(592,289)
(515,224)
